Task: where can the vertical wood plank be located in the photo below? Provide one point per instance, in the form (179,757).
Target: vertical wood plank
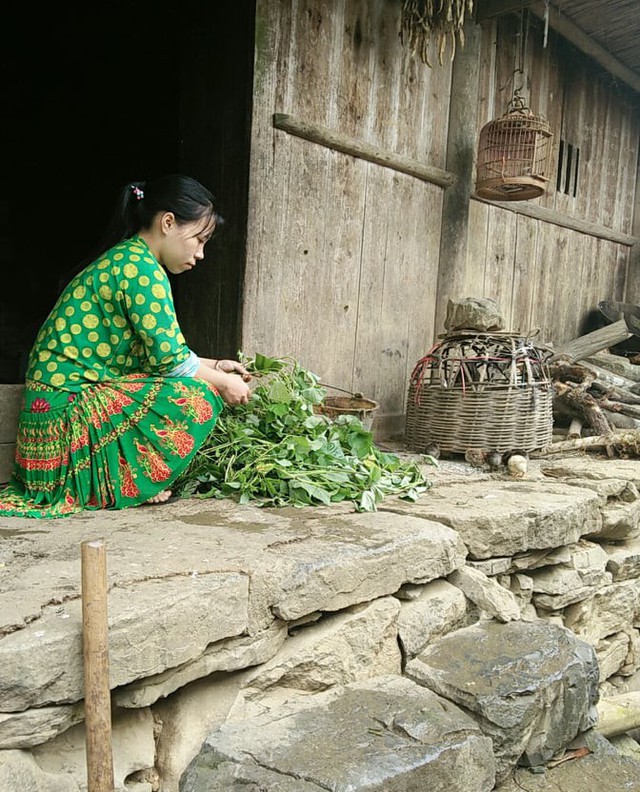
(460,160)
(524,274)
(499,258)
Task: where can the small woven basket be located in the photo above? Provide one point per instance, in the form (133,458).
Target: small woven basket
(480,391)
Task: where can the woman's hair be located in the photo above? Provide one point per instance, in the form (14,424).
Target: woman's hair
(140,201)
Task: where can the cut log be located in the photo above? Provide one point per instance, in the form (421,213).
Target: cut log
(618,714)
(616,394)
(616,364)
(617,420)
(609,378)
(619,407)
(589,344)
(584,404)
(626,439)
(575,428)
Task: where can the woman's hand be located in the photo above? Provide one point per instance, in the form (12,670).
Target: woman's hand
(233,367)
(232,388)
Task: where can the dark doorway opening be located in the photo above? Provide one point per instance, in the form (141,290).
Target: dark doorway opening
(99,94)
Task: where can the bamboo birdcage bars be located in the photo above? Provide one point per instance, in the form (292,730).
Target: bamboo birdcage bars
(480,391)
(514,155)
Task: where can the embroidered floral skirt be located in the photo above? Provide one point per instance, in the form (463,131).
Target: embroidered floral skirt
(111,445)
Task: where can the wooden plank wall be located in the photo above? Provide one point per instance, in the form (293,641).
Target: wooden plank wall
(544,276)
(342,253)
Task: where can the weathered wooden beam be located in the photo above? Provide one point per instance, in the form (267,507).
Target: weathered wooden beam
(566,27)
(461,140)
(587,345)
(359,148)
(563,220)
(488,9)
(632,285)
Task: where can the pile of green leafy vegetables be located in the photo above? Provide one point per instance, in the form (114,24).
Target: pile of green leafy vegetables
(276,451)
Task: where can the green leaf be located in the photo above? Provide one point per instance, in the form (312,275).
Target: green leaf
(279,392)
(276,451)
(367,501)
(264,365)
(360,444)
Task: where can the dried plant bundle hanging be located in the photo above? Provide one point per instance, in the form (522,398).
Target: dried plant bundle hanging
(426,21)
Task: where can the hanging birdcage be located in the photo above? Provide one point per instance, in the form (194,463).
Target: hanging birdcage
(514,155)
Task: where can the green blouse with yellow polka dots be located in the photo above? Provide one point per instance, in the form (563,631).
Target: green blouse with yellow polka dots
(115,318)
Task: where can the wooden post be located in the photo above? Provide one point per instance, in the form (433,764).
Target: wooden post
(95,643)
(462,139)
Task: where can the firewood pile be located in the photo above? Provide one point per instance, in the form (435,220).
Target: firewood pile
(597,395)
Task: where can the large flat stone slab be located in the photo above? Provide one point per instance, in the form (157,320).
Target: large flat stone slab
(187,575)
(383,735)
(500,518)
(154,625)
(591,467)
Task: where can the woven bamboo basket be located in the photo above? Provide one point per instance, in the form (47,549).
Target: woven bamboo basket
(483,392)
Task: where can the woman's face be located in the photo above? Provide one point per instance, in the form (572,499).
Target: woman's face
(183,244)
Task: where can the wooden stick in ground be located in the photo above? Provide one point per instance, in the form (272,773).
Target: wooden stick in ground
(95,643)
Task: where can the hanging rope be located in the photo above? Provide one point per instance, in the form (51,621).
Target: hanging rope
(426,21)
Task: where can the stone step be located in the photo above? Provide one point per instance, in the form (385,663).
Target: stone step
(383,735)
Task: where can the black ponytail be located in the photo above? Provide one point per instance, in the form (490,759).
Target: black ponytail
(138,202)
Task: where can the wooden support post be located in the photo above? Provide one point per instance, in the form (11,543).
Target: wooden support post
(95,643)
(632,286)
(461,145)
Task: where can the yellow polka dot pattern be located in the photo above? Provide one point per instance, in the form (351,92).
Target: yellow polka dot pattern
(115,318)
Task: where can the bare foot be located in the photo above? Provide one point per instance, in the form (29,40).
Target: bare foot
(161,497)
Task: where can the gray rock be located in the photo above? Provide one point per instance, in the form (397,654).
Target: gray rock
(440,609)
(384,735)
(593,468)
(343,647)
(228,655)
(623,559)
(486,594)
(531,685)
(588,774)
(620,520)
(363,558)
(474,313)
(133,748)
(19,772)
(35,726)
(502,518)
(153,626)
(608,611)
